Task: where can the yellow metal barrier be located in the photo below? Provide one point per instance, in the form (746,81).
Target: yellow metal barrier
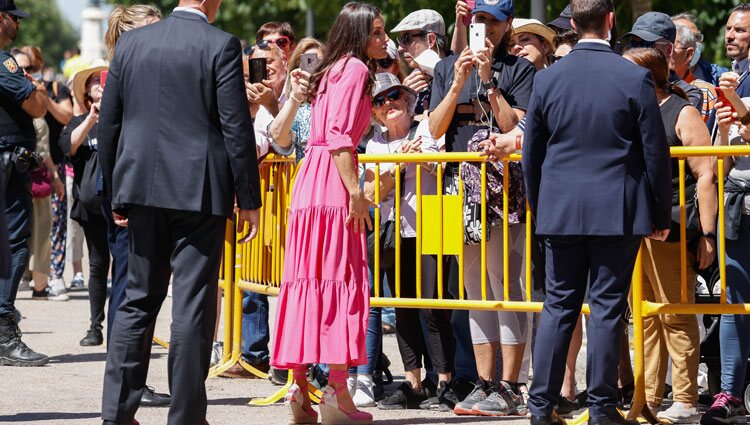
(259,264)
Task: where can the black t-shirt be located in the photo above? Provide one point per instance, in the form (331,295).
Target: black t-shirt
(16,126)
(514,76)
(55,128)
(83,154)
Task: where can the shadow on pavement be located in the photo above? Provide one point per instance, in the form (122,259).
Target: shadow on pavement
(47,416)
(237,401)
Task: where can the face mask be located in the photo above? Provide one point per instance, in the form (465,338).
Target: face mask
(37,76)
(697,55)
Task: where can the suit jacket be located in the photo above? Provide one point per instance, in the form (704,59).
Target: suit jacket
(174,129)
(595,155)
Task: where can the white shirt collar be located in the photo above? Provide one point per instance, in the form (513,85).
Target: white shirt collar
(192,10)
(594,40)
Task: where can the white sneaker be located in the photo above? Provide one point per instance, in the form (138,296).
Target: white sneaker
(363,395)
(680,413)
(57,286)
(351,384)
(217,351)
(78,281)
(25,284)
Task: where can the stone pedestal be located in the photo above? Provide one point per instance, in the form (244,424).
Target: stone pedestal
(92,36)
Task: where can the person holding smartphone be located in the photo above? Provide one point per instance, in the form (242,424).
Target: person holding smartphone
(473,90)
(290,129)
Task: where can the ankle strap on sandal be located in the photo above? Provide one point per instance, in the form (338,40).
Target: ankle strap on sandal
(338,376)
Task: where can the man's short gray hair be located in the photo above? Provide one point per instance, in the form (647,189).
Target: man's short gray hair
(688,16)
(685,37)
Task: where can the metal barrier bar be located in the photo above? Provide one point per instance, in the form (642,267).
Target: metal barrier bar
(720,232)
(683,234)
(419,231)
(376,229)
(506,232)
(527,249)
(397,230)
(484,232)
(440,271)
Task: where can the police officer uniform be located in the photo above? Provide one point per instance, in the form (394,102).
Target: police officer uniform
(17,144)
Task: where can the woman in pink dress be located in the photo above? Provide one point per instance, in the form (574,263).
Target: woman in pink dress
(323,306)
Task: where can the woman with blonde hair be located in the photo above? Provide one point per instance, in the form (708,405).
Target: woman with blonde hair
(126,18)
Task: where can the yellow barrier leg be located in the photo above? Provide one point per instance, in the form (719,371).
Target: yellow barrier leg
(161,342)
(580,419)
(278,395)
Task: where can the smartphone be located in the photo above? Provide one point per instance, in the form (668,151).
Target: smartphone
(103,78)
(723,99)
(309,62)
(477,37)
(472,4)
(427,61)
(258,71)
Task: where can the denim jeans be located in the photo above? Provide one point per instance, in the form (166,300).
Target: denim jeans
(734,329)
(255,332)
(374,340)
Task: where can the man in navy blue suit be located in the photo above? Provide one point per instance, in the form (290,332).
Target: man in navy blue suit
(597,171)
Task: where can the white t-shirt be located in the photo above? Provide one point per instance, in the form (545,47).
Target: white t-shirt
(379,144)
(263,120)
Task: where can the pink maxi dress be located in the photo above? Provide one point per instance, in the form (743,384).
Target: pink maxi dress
(324,302)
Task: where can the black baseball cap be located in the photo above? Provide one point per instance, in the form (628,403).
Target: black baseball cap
(653,26)
(9,7)
(562,22)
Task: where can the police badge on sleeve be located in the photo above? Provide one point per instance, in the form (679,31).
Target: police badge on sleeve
(11,65)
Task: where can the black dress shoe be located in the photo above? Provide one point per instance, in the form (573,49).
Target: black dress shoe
(610,416)
(93,338)
(151,398)
(552,419)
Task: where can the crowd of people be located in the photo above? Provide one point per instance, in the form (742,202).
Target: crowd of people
(582,103)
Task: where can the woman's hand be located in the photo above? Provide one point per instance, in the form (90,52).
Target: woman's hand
(483,61)
(724,117)
(729,81)
(300,85)
(706,252)
(93,116)
(462,68)
(462,12)
(359,211)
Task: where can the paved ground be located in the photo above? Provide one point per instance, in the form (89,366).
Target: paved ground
(68,390)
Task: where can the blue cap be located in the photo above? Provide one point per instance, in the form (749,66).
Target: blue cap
(500,9)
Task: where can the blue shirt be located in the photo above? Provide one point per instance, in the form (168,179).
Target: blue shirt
(16,126)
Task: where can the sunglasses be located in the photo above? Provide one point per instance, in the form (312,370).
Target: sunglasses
(30,69)
(393,95)
(405,39)
(282,42)
(385,63)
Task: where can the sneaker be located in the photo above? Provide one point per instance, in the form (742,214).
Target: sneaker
(77,281)
(502,402)
(480,392)
(444,401)
(726,409)
(278,377)
(404,398)
(351,384)
(25,284)
(680,413)
(49,295)
(363,393)
(217,351)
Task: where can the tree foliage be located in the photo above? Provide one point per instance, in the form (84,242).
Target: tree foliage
(244,17)
(47,29)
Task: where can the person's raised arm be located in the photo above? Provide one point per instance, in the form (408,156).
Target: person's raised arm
(280,129)
(447,95)
(62,112)
(36,104)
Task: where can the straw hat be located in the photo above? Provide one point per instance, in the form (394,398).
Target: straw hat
(79,82)
(534,27)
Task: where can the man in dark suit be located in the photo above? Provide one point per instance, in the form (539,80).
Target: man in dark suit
(597,171)
(176,148)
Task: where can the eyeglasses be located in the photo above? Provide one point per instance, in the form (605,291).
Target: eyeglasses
(385,63)
(405,39)
(393,95)
(282,42)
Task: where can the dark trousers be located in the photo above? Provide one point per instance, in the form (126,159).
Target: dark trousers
(117,238)
(162,242)
(95,230)
(255,331)
(607,263)
(18,212)
(437,322)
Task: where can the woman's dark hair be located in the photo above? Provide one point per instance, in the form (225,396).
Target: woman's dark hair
(655,61)
(349,35)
